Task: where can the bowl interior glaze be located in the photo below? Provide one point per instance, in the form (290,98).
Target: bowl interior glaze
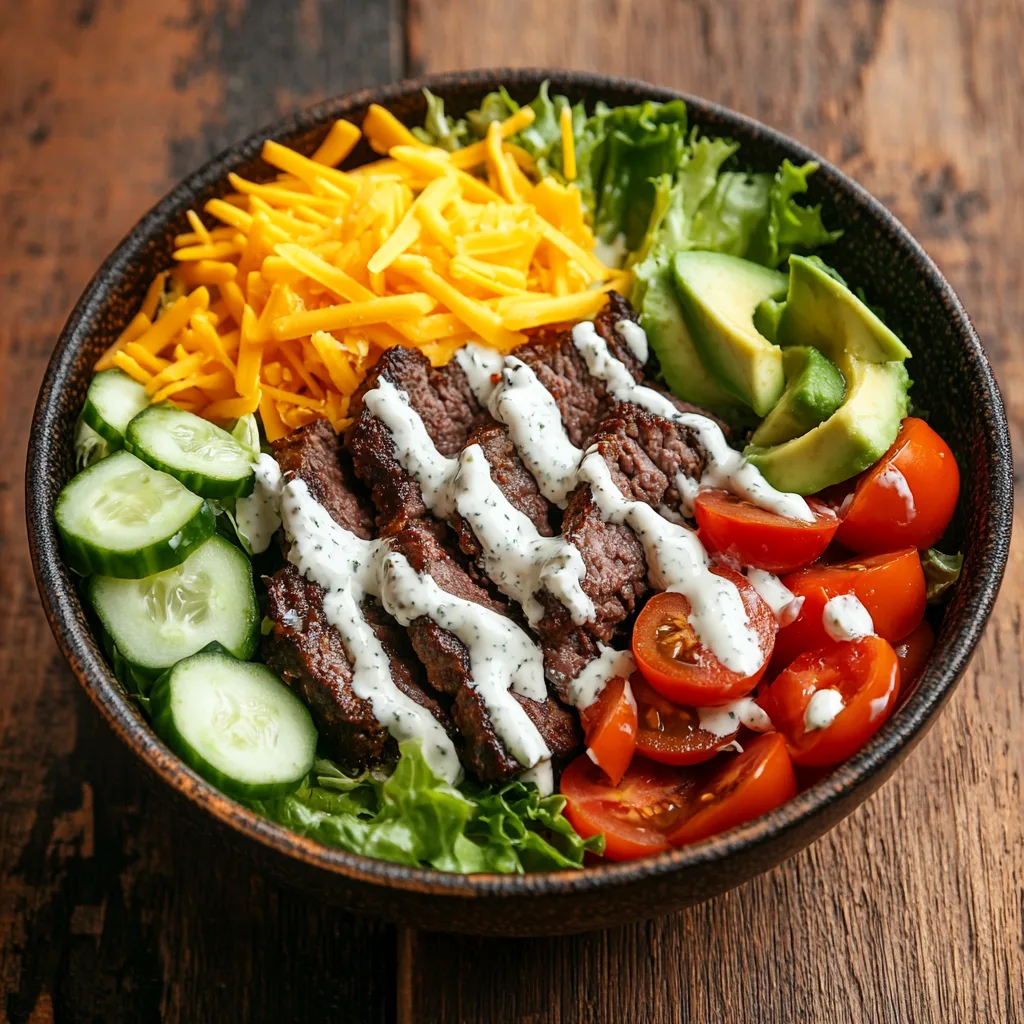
(953,381)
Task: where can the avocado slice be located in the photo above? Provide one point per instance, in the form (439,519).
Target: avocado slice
(854,437)
(681,366)
(814,390)
(717,296)
(823,312)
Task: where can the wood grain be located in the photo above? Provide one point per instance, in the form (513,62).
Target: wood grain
(108,911)
(913,909)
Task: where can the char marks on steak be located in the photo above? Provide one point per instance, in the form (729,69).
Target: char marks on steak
(303,648)
(447,664)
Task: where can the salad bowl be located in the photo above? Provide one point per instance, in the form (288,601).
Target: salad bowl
(953,381)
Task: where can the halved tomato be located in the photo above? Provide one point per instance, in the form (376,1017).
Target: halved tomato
(676,662)
(891,587)
(610,728)
(637,815)
(907,498)
(744,787)
(671,733)
(829,702)
(740,532)
(913,652)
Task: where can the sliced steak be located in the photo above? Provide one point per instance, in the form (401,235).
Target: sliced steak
(313,455)
(307,653)
(303,648)
(448,667)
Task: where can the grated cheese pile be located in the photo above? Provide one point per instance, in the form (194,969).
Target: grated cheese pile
(286,303)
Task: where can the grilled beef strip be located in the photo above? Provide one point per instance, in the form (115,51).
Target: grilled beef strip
(448,668)
(304,649)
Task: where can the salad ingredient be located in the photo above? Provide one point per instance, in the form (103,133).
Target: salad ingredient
(940,572)
(610,725)
(672,733)
(860,681)
(670,338)
(637,815)
(112,401)
(891,588)
(206,459)
(845,618)
(679,664)
(741,533)
(912,652)
(743,788)
(160,620)
(849,441)
(814,390)
(907,499)
(718,294)
(415,818)
(821,311)
(90,447)
(235,723)
(122,518)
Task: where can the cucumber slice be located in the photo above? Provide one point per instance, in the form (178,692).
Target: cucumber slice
(121,518)
(206,459)
(112,402)
(236,724)
(157,621)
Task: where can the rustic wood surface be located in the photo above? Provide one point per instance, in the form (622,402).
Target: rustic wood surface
(911,910)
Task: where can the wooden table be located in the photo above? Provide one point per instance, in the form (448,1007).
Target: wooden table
(911,910)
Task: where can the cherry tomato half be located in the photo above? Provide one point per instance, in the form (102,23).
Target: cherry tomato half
(678,664)
(907,498)
(610,727)
(891,587)
(741,532)
(637,815)
(858,681)
(671,733)
(744,787)
(913,651)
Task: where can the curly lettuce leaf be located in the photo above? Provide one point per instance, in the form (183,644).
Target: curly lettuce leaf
(90,447)
(940,572)
(789,227)
(439,130)
(412,817)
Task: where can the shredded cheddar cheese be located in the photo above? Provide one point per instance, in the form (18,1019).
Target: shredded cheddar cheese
(286,294)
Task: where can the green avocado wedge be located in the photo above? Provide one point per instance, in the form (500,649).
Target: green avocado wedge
(823,312)
(854,437)
(717,296)
(681,366)
(814,390)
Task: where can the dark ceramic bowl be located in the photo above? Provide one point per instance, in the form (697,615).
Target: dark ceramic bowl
(953,381)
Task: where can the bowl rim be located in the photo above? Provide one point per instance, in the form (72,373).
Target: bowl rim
(945,665)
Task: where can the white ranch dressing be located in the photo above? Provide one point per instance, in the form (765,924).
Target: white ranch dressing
(784,605)
(635,338)
(823,709)
(480,365)
(892,477)
(726,468)
(514,554)
(845,618)
(258,515)
(677,561)
(608,665)
(535,427)
(724,720)
(347,567)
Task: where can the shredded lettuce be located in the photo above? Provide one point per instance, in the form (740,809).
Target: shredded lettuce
(940,572)
(90,447)
(447,133)
(412,817)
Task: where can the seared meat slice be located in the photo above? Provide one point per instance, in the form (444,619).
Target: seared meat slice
(303,648)
(449,410)
(582,399)
(448,668)
(646,454)
(307,653)
(313,455)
